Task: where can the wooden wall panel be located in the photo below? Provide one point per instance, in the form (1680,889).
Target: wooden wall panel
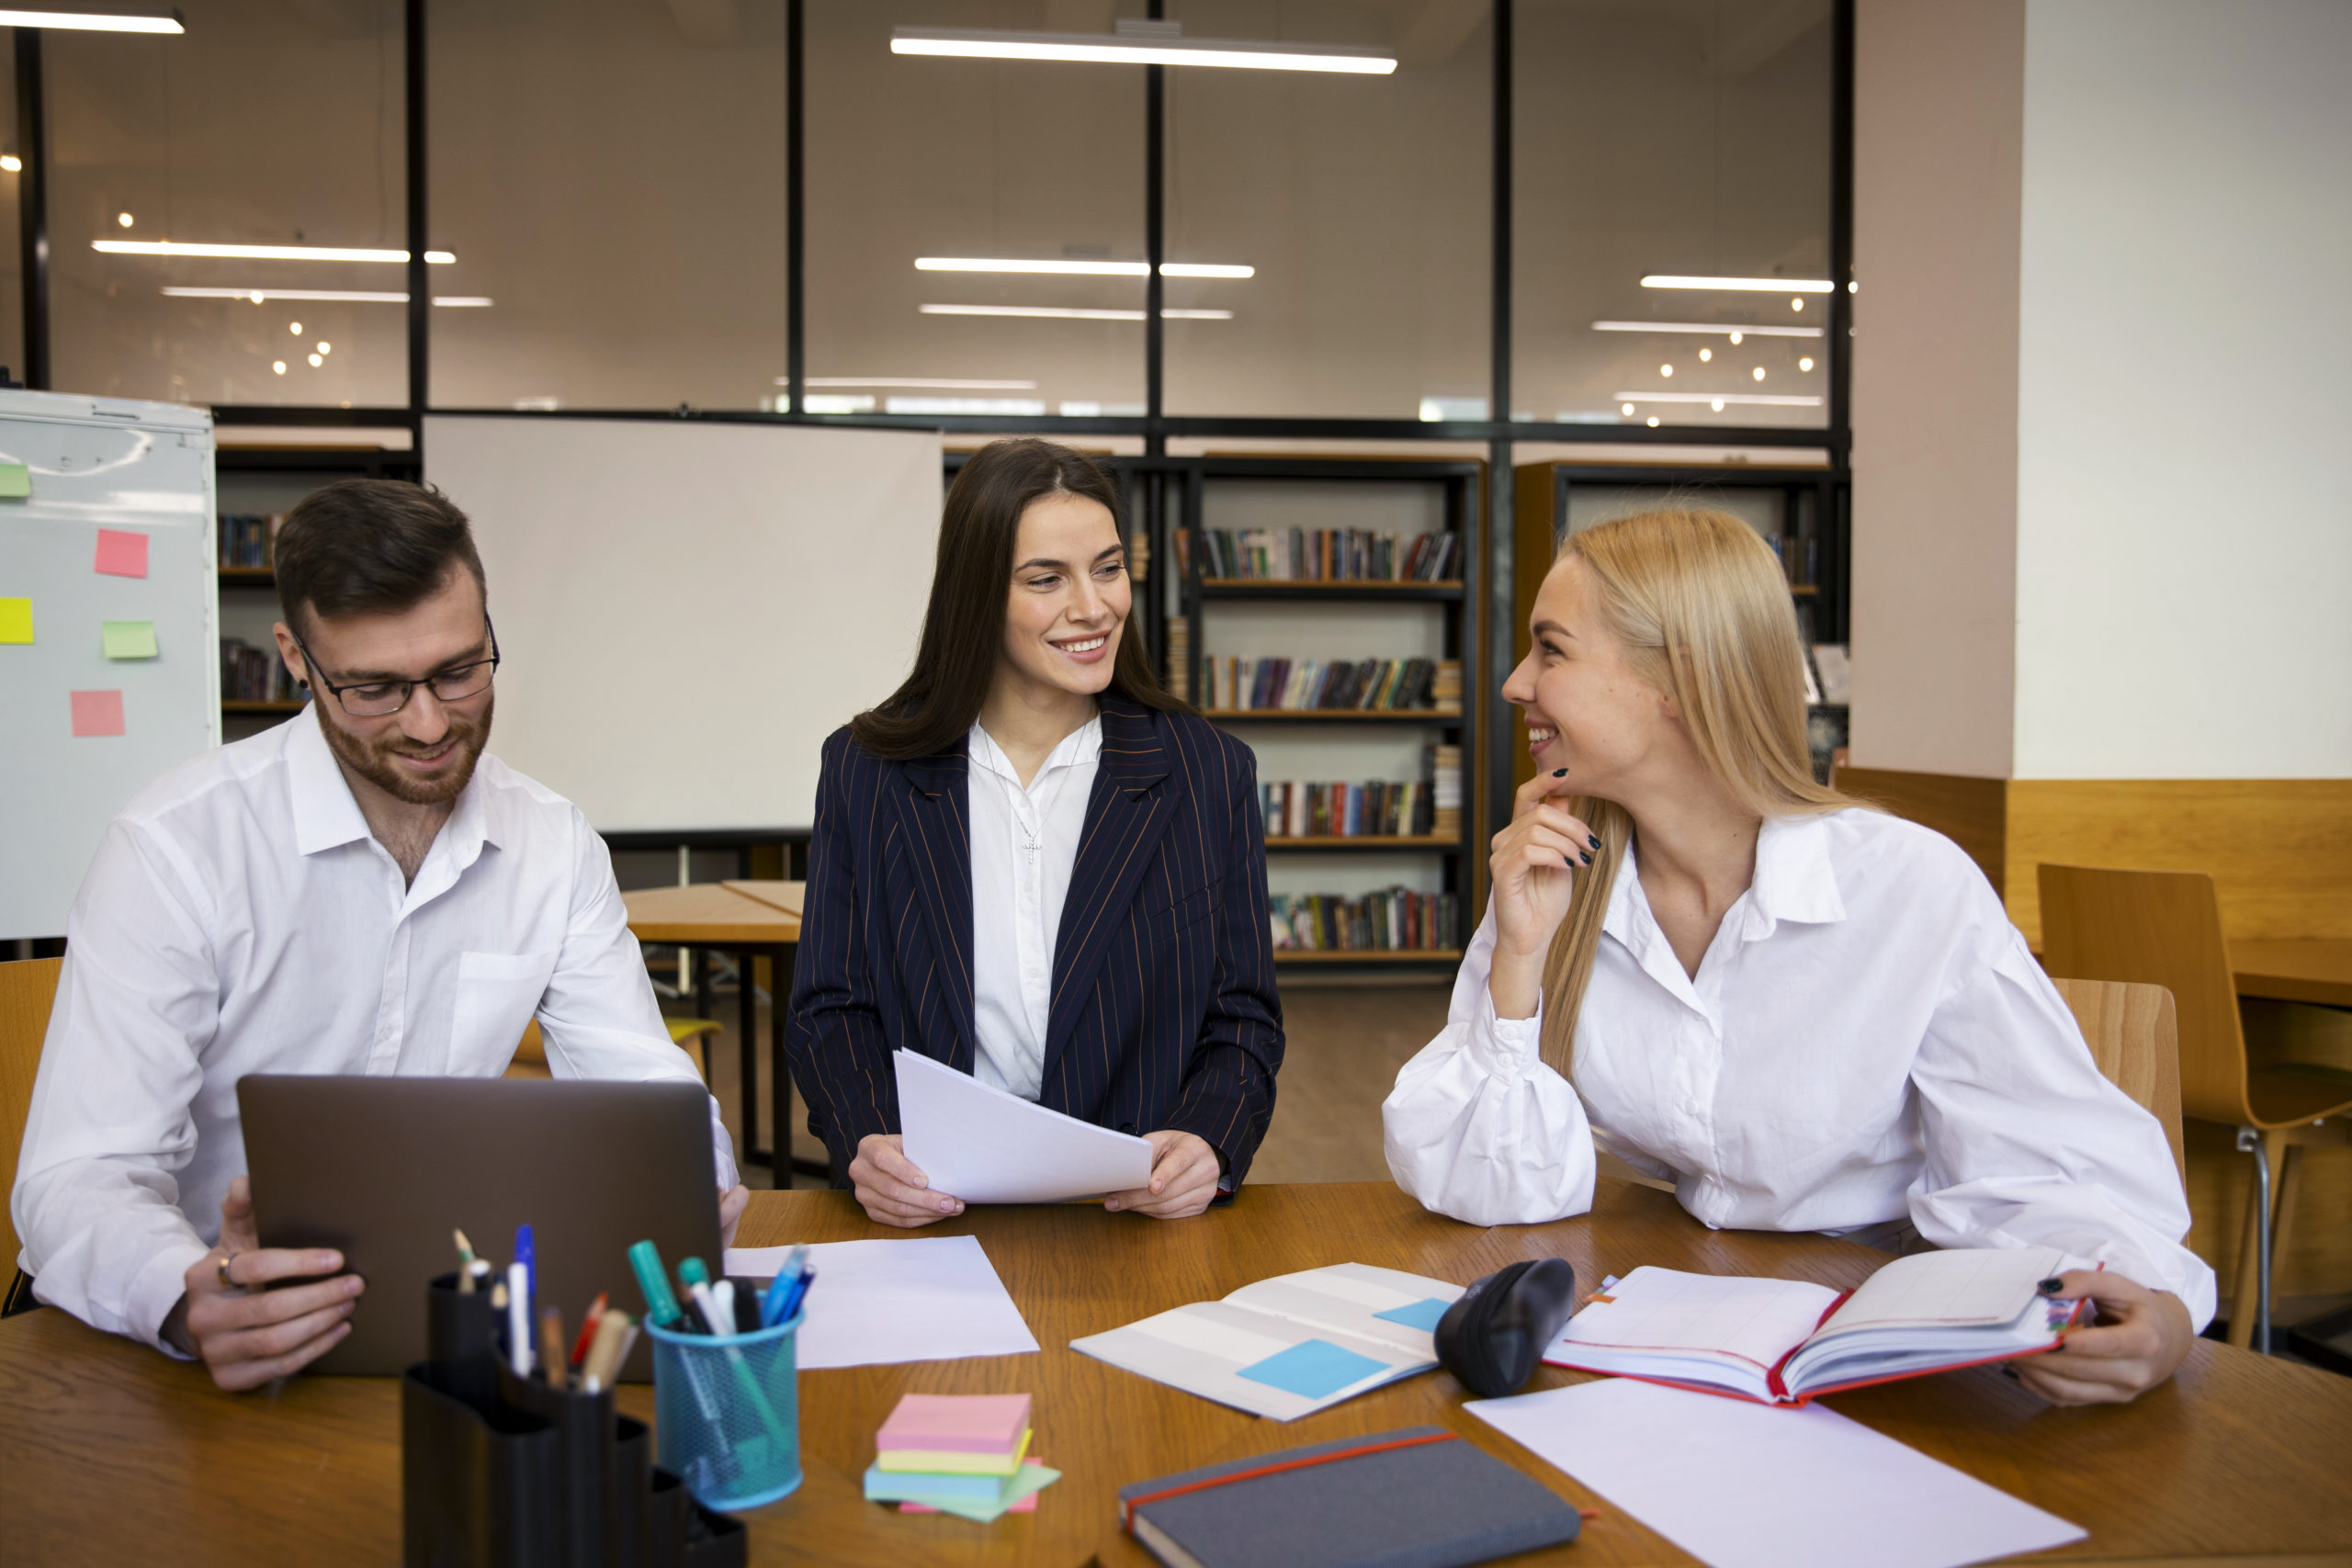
(1972,813)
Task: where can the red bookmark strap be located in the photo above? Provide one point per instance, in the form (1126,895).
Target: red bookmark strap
(1772,1375)
(1128,1505)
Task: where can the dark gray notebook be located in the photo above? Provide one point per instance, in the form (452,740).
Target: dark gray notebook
(1420,1497)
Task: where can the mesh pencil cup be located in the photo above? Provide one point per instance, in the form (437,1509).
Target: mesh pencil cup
(726,1413)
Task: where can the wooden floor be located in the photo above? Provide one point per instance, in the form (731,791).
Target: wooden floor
(1345,1044)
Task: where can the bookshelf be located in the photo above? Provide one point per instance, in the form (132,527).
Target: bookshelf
(258,481)
(1801,508)
(1315,621)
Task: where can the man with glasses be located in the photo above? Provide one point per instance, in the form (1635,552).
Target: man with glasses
(362,889)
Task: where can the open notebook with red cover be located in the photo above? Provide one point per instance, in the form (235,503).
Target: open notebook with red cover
(1785,1342)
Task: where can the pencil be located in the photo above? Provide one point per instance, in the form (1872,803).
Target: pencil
(551,1345)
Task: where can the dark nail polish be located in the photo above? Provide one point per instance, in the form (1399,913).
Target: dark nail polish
(1587,859)
(2009,1373)
(1559,773)
(1593,839)
(2050,1287)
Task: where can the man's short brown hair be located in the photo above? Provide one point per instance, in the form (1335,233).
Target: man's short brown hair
(370,547)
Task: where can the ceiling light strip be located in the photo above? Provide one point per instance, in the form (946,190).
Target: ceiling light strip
(1110,48)
(1070,313)
(1749,285)
(924,383)
(260,252)
(126,19)
(1715,328)
(1081,268)
(331,296)
(1767,398)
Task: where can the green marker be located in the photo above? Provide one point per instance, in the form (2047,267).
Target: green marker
(652,1279)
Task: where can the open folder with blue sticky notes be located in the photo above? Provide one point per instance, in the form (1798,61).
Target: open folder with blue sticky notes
(1290,1346)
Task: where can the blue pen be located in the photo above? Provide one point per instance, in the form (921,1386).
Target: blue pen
(799,1294)
(524,1255)
(787,1278)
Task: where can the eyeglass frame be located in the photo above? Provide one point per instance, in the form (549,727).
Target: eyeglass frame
(408,688)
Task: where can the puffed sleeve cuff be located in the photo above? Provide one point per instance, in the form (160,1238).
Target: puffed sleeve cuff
(1507,1048)
(156,1289)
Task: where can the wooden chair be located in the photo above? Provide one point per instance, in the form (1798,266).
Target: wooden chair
(531,1054)
(27,987)
(2251,1069)
(2134,1036)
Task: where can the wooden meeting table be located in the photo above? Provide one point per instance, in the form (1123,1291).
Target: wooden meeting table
(2313,969)
(109,1453)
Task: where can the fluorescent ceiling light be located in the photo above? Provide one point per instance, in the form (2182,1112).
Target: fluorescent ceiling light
(1753,285)
(1016,406)
(343,295)
(1775,400)
(1081,268)
(1113,49)
(1068,313)
(1717,328)
(259,253)
(924,383)
(115,19)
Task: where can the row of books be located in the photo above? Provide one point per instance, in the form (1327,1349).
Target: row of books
(1394,920)
(1235,682)
(1799,558)
(250,674)
(1321,555)
(1179,656)
(248,538)
(1380,808)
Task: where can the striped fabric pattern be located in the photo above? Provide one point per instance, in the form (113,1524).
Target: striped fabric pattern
(1164,1013)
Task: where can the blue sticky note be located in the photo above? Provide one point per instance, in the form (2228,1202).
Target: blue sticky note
(1313,1369)
(1422,1313)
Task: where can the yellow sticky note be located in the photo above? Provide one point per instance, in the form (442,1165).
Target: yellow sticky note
(130,639)
(16,620)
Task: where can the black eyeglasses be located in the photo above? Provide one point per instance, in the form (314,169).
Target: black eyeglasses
(377,699)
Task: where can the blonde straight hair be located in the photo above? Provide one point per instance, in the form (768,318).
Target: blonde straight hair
(1701,606)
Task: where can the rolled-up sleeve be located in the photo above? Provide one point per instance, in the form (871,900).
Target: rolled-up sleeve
(598,1016)
(1478,1128)
(2028,1144)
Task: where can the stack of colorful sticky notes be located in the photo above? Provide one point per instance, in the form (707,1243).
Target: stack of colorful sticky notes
(965,1454)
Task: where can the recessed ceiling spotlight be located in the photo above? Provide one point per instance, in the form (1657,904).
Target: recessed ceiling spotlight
(1796,304)
(1806,364)
(317,360)
(1735,339)
(326,348)
(279,366)
(1717,405)
(1759,372)
(1853,288)
(11,162)
(1705,354)
(123,218)
(1665,370)
(1627,408)
(294,327)
(1652,421)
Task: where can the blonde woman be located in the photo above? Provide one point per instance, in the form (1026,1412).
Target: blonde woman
(1808,1015)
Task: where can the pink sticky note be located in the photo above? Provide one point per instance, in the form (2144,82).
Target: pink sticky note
(122,554)
(98,713)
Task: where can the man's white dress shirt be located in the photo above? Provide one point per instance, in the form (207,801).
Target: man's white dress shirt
(1024,846)
(1867,1040)
(240,918)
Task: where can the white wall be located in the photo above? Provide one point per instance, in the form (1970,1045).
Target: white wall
(1938,105)
(2185,416)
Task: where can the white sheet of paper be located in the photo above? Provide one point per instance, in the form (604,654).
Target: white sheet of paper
(1745,1485)
(880,1302)
(986,1146)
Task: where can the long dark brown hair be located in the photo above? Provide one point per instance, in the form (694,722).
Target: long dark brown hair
(962,629)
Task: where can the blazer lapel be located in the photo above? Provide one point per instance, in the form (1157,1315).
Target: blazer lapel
(1126,816)
(932,806)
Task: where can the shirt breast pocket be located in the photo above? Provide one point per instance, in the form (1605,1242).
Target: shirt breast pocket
(497,995)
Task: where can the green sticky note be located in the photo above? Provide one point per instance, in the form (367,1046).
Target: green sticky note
(16,620)
(130,639)
(15,480)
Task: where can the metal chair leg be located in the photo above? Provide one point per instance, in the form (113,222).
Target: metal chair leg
(2250,1141)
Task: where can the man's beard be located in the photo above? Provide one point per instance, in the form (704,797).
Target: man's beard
(374,764)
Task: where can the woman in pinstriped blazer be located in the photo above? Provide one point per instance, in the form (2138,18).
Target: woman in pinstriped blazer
(1032,863)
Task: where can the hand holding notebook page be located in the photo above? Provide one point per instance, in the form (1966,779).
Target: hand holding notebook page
(986,1146)
(1784,1341)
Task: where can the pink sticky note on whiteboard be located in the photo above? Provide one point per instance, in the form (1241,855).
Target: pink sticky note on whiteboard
(122,553)
(97,712)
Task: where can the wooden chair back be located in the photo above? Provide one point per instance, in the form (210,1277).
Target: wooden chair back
(2134,1036)
(2156,927)
(27,987)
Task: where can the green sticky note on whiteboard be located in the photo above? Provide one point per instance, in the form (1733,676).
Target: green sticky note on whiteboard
(130,639)
(16,620)
(15,480)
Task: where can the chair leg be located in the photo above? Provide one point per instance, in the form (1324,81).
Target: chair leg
(2289,1160)
(2252,1329)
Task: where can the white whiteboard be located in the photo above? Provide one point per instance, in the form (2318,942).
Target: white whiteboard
(687,610)
(131,468)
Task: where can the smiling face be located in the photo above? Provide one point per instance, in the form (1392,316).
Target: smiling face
(1070,596)
(424,753)
(1588,709)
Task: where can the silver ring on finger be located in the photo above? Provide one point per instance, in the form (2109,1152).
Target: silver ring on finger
(222,1269)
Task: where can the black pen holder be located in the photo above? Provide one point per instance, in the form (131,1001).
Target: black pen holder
(502,1471)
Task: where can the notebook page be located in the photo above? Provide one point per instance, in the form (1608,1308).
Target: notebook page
(1351,1298)
(1755,1321)
(1968,1288)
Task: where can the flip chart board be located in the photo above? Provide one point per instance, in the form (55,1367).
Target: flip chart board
(109,669)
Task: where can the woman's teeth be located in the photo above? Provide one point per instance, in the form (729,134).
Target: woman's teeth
(1087,647)
(1537,735)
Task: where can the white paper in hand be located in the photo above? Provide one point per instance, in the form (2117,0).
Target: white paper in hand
(986,1146)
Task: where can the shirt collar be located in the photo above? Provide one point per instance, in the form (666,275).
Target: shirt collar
(327,816)
(1080,747)
(1794,881)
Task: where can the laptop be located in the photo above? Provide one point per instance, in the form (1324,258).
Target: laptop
(384,1169)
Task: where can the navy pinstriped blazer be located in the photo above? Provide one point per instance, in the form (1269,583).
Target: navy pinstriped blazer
(1163,1010)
